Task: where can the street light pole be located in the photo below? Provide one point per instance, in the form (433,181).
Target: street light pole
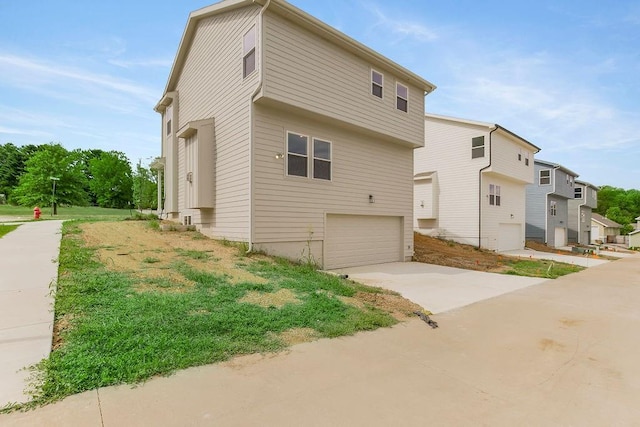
(54,208)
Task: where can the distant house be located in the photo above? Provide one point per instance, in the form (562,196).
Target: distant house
(284,133)
(603,230)
(585,199)
(469,183)
(634,239)
(548,203)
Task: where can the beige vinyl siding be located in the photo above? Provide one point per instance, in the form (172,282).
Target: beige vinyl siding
(510,212)
(211,85)
(448,151)
(309,72)
(504,158)
(293,209)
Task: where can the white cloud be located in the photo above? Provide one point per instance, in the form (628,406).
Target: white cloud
(401,27)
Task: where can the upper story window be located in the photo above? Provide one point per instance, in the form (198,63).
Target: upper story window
(526,160)
(494,195)
(553,208)
(595,194)
(377,83)
(477,147)
(545,177)
(249,52)
(569,180)
(519,157)
(402,97)
(577,193)
(168,113)
(297,154)
(321,159)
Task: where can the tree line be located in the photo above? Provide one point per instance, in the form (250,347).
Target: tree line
(82,178)
(619,205)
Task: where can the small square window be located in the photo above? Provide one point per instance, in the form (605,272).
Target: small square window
(545,177)
(249,52)
(377,83)
(402,97)
(477,147)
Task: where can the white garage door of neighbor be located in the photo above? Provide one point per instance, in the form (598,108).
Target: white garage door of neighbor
(560,237)
(509,237)
(353,240)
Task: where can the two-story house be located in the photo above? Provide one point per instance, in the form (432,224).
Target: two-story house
(585,199)
(284,133)
(548,203)
(470,180)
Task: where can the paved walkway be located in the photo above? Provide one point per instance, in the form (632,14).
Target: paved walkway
(28,267)
(438,288)
(561,353)
(582,260)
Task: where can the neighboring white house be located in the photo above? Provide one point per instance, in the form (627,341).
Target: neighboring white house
(603,230)
(282,132)
(469,183)
(585,199)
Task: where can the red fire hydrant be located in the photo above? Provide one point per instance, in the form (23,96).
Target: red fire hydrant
(36,212)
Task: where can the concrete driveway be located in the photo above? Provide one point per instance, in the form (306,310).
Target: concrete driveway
(437,288)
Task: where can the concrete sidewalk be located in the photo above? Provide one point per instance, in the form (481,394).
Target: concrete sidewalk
(560,353)
(28,267)
(581,260)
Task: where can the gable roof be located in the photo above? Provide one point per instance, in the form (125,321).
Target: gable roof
(556,166)
(291,12)
(587,184)
(489,126)
(604,221)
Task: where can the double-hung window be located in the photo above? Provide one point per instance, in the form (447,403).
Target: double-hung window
(297,154)
(494,195)
(321,159)
(545,177)
(402,97)
(377,83)
(249,52)
(577,193)
(553,208)
(477,147)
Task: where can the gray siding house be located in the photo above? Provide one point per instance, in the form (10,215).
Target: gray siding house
(284,133)
(547,207)
(585,199)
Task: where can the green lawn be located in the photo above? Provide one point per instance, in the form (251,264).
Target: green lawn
(4,229)
(115,333)
(541,268)
(67,212)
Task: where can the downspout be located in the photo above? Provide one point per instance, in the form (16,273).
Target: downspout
(547,207)
(480,190)
(251,129)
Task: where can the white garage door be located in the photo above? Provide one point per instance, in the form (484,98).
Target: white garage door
(353,240)
(509,237)
(560,237)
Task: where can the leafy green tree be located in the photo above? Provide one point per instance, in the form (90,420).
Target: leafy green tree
(111,180)
(52,160)
(145,188)
(12,162)
(86,156)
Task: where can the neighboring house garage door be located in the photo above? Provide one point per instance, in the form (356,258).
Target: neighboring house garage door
(560,237)
(352,240)
(509,237)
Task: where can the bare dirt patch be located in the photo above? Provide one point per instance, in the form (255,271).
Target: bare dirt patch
(432,250)
(133,247)
(276,299)
(298,336)
(399,307)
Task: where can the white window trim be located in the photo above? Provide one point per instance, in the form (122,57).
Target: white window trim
(582,193)
(479,147)
(374,83)
(246,53)
(553,208)
(540,176)
(314,158)
(286,163)
(494,195)
(398,84)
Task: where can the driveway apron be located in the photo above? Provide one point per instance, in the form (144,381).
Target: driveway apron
(28,271)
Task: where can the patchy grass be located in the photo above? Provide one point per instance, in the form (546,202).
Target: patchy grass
(68,212)
(432,250)
(6,229)
(114,326)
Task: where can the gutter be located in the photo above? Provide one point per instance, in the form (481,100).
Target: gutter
(496,127)
(251,129)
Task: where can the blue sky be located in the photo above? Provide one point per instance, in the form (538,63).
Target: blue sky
(564,75)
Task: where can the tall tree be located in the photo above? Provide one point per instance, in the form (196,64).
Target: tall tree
(111,181)
(12,162)
(145,188)
(36,185)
